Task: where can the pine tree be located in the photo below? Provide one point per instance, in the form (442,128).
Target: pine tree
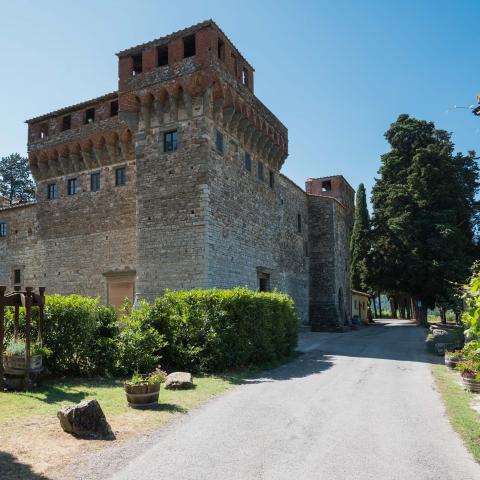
(360,243)
(424,214)
(15,180)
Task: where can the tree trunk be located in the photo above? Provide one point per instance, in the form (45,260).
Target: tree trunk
(443,315)
(380,305)
(374,307)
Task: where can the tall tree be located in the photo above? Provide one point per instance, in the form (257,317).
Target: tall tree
(16,183)
(360,242)
(424,212)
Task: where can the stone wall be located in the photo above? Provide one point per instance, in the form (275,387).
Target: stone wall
(251,226)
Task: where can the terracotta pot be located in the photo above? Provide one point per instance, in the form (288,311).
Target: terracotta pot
(15,364)
(470,383)
(139,396)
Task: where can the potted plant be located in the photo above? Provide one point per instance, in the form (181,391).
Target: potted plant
(144,390)
(470,371)
(14,357)
(452,358)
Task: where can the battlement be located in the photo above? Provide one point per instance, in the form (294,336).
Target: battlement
(192,72)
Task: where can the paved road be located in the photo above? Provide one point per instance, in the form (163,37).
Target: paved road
(356,406)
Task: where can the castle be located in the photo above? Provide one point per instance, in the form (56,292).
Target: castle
(173,182)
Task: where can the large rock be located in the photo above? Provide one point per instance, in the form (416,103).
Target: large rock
(179,381)
(85,419)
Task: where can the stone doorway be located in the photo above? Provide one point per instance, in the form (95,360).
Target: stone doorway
(120,286)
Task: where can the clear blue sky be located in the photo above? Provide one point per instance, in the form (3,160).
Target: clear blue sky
(337,73)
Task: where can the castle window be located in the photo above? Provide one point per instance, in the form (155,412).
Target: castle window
(114,108)
(219,141)
(170,141)
(235,65)
(326,186)
(248,162)
(72,186)
(260,171)
(245,76)
(162,55)
(189,46)
(89,115)
(120,176)
(17,277)
(95,182)
(299,223)
(137,64)
(52,191)
(221,50)
(306,248)
(3,229)
(263,281)
(271,179)
(44,130)
(66,122)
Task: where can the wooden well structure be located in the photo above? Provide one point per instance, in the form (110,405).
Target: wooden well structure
(28,299)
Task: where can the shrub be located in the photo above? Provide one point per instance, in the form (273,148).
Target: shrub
(217,330)
(81,335)
(139,343)
(452,338)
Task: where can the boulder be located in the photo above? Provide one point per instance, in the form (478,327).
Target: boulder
(179,381)
(86,419)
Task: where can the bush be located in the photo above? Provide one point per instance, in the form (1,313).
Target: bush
(139,344)
(453,338)
(217,330)
(81,335)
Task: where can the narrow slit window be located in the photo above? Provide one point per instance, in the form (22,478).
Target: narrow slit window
(189,46)
(248,162)
(89,115)
(3,229)
(170,141)
(137,64)
(299,223)
(114,108)
(221,50)
(219,141)
(271,179)
(95,182)
(260,170)
(162,55)
(66,122)
(245,77)
(52,191)
(17,276)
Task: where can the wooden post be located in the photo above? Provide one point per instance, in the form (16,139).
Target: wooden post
(28,319)
(2,332)
(16,317)
(41,314)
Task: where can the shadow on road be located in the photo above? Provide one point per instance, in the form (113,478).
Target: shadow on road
(12,469)
(387,339)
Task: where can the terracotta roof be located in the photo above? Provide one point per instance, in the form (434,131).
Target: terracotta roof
(70,108)
(180,33)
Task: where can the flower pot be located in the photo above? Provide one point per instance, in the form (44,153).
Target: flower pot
(452,362)
(15,364)
(470,383)
(139,396)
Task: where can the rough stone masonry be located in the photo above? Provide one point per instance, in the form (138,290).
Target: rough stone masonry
(174,181)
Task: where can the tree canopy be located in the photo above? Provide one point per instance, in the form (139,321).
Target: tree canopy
(424,213)
(16,183)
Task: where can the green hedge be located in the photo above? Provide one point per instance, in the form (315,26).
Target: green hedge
(197,330)
(216,330)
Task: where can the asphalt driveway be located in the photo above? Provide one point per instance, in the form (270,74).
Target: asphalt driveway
(356,406)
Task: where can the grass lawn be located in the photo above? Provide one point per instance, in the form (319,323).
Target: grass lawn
(465,420)
(30,432)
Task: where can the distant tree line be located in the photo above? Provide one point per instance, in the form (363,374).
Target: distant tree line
(422,239)
(16,183)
